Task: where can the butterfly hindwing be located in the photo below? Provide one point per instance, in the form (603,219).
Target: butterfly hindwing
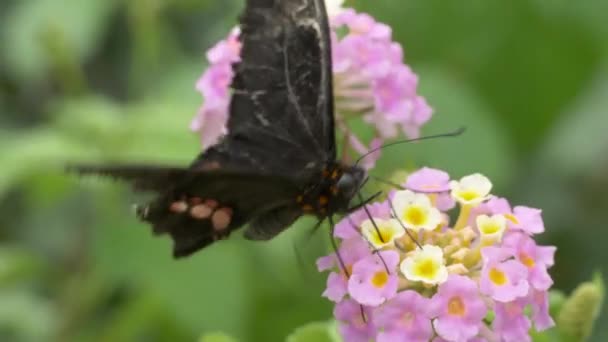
(198,207)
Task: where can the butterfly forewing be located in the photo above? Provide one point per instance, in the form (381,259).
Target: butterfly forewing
(281,113)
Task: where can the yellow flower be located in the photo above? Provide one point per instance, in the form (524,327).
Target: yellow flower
(472,189)
(425,265)
(492,228)
(416,211)
(389,231)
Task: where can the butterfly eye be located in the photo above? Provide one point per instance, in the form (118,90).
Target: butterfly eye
(347,185)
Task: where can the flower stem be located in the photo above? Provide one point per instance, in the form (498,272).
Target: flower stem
(463,218)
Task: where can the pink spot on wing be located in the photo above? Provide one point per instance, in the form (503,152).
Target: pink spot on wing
(201,211)
(221,219)
(178,207)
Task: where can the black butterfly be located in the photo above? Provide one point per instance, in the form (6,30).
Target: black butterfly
(278,160)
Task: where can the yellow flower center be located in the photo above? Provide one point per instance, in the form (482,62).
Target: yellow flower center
(379,279)
(415,216)
(497,276)
(381,236)
(426,268)
(490,228)
(456,307)
(512,218)
(527,260)
(468,195)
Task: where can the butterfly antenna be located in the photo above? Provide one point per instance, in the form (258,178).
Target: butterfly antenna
(386,182)
(394,213)
(454,133)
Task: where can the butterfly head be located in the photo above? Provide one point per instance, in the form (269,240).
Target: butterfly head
(347,185)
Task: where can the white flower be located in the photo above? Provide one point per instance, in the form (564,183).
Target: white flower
(416,211)
(472,189)
(492,228)
(389,231)
(425,265)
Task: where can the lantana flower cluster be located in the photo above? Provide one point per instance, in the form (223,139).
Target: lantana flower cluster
(371,83)
(411,274)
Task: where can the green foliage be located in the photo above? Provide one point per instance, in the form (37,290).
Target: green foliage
(216,337)
(315,332)
(579,312)
(100,80)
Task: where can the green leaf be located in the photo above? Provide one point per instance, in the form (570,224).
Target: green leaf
(216,337)
(77,25)
(577,318)
(39,151)
(26,317)
(315,332)
(17,264)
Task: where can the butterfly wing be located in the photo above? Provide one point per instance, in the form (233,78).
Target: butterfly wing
(281,114)
(281,135)
(197,208)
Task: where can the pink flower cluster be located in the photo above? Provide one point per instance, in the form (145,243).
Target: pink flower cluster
(214,85)
(470,280)
(371,80)
(371,83)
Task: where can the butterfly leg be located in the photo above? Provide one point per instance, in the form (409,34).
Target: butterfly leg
(341,261)
(335,246)
(369,215)
(390,203)
(364,202)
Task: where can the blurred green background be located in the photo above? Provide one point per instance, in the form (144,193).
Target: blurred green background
(97,80)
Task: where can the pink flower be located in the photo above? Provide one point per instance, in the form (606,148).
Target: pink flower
(432,181)
(510,323)
(404,318)
(214,85)
(371,80)
(521,218)
(459,309)
(529,219)
(428,180)
(352,325)
(502,280)
(474,339)
(371,283)
(351,251)
(536,258)
(540,310)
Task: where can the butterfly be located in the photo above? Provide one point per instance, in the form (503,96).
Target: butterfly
(278,159)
